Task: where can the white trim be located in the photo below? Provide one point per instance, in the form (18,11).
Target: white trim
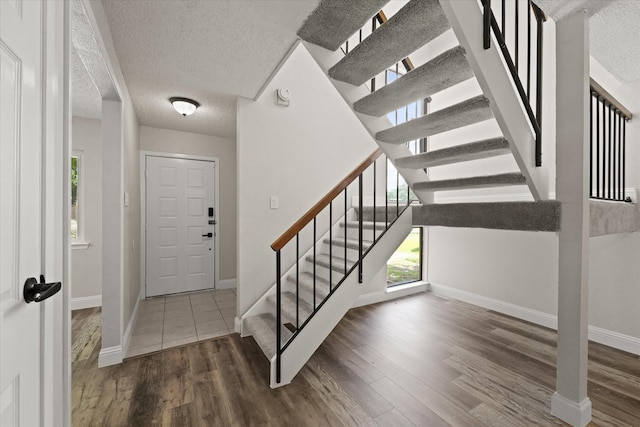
(576,414)
(81,303)
(143,211)
(602,336)
(391,293)
(132,323)
(227,284)
(110,356)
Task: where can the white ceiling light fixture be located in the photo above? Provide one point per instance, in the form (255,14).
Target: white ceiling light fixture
(184,106)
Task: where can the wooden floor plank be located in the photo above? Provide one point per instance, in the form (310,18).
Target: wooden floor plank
(420,360)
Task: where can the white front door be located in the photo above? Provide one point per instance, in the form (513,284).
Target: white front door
(180,225)
(23,380)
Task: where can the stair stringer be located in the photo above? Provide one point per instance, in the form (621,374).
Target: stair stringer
(350,93)
(334,308)
(465,18)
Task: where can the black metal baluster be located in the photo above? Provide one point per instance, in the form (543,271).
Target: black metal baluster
(330,244)
(345,231)
(486,33)
(314,263)
(374,198)
(539,93)
(386,193)
(360,216)
(610,156)
(591,145)
(624,154)
(278,318)
(620,187)
(503,29)
(397,193)
(297,281)
(598,146)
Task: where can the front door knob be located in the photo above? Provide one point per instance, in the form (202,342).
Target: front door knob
(208,235)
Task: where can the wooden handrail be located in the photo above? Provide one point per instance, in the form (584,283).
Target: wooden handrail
(610,99)
(324,202)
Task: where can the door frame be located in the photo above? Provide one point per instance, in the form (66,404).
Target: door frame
(143,210)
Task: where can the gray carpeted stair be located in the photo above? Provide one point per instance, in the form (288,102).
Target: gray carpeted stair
(471,111)
(446,70)
(338,243)
(334,21)
(336,262)
(305,284)
(456,154)
(505,179)
(263,329)
(381,216)
(288,312)
(366,225)
(416,24)
(524,216)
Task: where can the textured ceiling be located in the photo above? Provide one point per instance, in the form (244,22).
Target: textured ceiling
(615,39)
(85,98)
(614,32)
(210,51)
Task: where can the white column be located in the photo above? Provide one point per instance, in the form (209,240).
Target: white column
(570,402)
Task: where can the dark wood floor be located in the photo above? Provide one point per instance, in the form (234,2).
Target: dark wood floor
(420,360)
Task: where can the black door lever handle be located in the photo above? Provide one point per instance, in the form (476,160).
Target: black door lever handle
(34,291)
(208,235)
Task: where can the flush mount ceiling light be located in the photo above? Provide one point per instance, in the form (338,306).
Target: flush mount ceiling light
(184,106)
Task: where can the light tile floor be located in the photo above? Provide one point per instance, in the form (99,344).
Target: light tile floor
(165,322)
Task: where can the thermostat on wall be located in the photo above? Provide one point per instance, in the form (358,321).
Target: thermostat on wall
(282,97)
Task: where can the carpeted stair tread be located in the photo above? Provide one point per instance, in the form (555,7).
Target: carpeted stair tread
(366,225)
(334,21)
(337,263)
(505,179)
(338,243)
(524,216)
(305,284)
(465,113)
(263,329)
(391,213)
(446,70)
(416,24)
(456,154)
(288,311)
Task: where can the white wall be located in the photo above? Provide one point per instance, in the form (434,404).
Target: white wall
(296,153)
(171,141)
(86,264)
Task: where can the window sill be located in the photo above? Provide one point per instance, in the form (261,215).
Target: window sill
(76,244)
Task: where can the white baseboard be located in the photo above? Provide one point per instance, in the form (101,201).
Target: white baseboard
(227,284)
(602,336)
(81,303)
(126,339)
(110,356)
(391,293)
(576,414)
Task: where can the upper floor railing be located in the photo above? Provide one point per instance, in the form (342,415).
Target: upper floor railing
(517,49)
(608,134)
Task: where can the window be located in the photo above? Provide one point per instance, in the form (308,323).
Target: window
(405,265)
(76,196)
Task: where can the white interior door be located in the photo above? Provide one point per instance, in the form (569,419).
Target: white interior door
(180,225)
(21,204)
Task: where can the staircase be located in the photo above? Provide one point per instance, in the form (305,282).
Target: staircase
(304,298)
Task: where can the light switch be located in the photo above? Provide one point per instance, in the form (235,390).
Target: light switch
(274,202)
(126,199)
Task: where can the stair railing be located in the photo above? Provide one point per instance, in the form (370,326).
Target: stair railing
(512,22)
(608,119)
(323,211)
